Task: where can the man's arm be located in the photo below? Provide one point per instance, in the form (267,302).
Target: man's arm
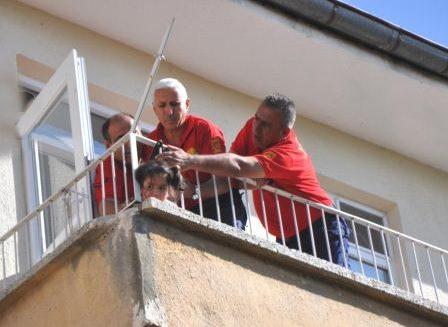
(223,164)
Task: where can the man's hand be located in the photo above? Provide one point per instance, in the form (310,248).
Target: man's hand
(176,157)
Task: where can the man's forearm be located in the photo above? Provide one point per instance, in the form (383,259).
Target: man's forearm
(227,164)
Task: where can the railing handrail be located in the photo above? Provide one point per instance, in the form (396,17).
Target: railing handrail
(274,190)
(341,213)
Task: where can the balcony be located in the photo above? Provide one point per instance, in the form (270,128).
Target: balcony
(67,225)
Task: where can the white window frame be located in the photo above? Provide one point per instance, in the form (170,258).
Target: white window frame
(69,77)
(366,254)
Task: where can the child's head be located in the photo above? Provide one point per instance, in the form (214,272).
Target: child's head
(158,181)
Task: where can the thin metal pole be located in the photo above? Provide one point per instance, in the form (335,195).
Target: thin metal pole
(114,182)
(355,235)
(28,244)
(53,226)
(182,200)
(246,194)
(310,228)
(232,204)
(198,188)
(387,257)
(154,71)
(369,234)
(103,191)
(432,274)
(327,238)
(418,269)
(279,216)
(402,263)
(125,176)
(296,228)
(215,189)
(263,206)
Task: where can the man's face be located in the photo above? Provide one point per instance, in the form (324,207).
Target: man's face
(267,127)
(117,129)
(170,108)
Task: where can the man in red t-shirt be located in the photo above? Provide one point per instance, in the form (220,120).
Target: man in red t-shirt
(195,135)
(113,129)
(267,149)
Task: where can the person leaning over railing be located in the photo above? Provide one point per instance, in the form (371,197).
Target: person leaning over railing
(113,129)
(194,135)
(267,150)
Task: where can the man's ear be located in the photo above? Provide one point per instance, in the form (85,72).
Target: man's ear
(286,130)
(187,104)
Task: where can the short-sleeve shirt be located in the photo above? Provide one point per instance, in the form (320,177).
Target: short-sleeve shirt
(289,168)
(200,136)
(123,179)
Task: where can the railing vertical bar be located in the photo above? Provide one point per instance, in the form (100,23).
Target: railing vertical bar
(310,228)
(327,238)
(418,268)
(125,176)
(28,244)
(432,274)
(16,255)
(215,189)
(383,240)
(198,188)
(344,257)
(444,268)
(369,234)
(232,204)
(402,263)
(296,227)
(68,207)
(78,215)
(355,235)
(4,261)
(182,200)
(248,208)
(263,207)
(103,190)
(134,163)
(114,182)
(53,226)
(279,216)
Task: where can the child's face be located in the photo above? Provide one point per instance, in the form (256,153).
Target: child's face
(156,187)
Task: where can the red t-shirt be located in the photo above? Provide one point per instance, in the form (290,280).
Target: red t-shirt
(120,181)
(200,136)
(289,168)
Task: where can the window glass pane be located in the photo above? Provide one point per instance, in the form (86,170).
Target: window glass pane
(369,270)
(98,140)
(53,154)
(361,230)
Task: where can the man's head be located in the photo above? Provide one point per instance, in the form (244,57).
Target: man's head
(115,128)
(273,120)
(171,103)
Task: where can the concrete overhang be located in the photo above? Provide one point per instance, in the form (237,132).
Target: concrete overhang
(246,47)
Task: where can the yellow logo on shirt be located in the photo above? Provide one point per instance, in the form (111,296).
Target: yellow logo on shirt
(269,154)
(192,150)
(217,146)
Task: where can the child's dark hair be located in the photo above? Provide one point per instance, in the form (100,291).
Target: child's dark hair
(153,168)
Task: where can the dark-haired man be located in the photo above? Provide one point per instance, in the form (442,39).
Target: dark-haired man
(113,129)
(267,149)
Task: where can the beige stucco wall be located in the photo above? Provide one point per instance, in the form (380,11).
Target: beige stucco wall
(108,275)
(411,193)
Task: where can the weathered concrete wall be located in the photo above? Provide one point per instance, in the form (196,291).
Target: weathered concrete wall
(162,269)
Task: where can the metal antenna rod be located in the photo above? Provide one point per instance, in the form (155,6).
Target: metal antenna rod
(154,70)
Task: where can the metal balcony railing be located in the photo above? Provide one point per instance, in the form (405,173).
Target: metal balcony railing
(412,265)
